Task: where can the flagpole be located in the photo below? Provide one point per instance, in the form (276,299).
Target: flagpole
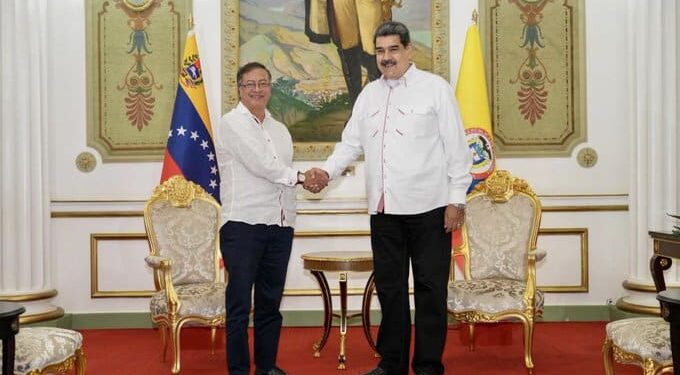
(475,16)
(190,21)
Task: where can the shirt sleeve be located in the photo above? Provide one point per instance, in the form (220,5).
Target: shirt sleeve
(249,148)
(458,157)
(349,148)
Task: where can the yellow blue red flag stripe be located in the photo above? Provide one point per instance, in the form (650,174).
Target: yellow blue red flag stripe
(190,151)
(474,107)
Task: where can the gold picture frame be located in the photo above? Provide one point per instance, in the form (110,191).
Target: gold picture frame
(316,139)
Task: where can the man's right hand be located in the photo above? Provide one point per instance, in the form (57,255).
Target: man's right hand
(316,179)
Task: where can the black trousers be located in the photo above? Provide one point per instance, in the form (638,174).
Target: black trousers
(254,255)
(422,240)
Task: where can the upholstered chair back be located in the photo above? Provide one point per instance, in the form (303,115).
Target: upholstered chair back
(183,224)
(499,233)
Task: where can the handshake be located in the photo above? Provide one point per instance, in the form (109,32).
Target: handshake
(315,180)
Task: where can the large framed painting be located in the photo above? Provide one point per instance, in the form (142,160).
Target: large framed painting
(320,53)
(133,54)
(535,52)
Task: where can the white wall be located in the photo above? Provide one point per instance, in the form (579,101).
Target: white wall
(113,189)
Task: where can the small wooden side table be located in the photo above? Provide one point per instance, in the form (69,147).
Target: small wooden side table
(343,262)
(9,327)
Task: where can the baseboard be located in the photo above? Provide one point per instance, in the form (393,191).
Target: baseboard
(308,318)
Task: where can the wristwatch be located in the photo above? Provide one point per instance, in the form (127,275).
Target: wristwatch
(459,205)
(300,178)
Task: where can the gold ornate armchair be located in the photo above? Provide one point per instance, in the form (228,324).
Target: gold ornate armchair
(48,350)
(502,217)
(182,222)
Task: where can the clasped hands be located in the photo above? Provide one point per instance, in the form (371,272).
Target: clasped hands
(316,179)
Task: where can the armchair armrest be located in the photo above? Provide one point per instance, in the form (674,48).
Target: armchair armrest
(163,266)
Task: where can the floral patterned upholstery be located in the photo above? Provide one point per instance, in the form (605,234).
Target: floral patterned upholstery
(40,347)
(499,235)
(204,299)
(182,222)
(489,295)
(502,217)
(187,237)
(648,338)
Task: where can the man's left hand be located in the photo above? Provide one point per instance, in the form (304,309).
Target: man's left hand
(453,217)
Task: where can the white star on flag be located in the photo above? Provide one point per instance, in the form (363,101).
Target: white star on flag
(211,156)
(204,144)
(213,184)
(213,170)
(194,135)
(181,130)
(170,133)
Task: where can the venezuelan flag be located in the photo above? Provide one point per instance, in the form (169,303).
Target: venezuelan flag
(190,151)
(474,107)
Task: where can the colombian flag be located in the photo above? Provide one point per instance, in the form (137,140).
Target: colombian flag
(190,151)
(474,109)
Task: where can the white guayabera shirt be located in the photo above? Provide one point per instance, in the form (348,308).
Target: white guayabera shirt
(412,136)
(256,169)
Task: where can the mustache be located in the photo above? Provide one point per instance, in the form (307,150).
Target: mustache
(386,63)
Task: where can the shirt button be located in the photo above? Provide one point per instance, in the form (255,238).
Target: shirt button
(275,157)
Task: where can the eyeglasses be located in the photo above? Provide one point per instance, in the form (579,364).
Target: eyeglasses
(251,85)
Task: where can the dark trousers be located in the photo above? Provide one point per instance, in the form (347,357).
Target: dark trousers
(395,240)
(254,255)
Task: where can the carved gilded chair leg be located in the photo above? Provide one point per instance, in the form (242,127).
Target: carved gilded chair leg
(174,339)
(80,361)
(163,331)
(213,333)
(528,343)
(607,357)
(471,329)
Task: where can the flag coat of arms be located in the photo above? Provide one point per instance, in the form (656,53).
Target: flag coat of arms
(190,151)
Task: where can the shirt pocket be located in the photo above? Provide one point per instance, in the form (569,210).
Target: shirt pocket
(415,120)
(371,124)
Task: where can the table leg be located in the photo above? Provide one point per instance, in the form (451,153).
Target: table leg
(366,311)
(343,319)
(658,264)
(327,311)
(8,355)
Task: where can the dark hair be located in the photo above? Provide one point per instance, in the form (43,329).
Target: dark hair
(247,68)
(393,28)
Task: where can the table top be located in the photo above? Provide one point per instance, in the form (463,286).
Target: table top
(10,309)
(359,261)
(669,295)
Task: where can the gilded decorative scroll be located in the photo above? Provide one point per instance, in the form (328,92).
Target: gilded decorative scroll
(536,67)
(310,93)
(133,51)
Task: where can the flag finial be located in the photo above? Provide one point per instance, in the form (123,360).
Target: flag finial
(190,21)
(475,16)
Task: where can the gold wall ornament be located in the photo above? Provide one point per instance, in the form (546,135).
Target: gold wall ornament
(86,162)
(535,59)
(134,51)
(587,157)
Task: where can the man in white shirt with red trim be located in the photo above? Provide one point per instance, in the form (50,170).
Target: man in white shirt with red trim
(255,156)
(417,163)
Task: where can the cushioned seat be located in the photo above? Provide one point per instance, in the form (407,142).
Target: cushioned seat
(490,295)
(48,350)
(644,342)
(204,299)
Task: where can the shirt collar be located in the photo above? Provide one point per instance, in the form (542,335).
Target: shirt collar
(241,108)
(405,79)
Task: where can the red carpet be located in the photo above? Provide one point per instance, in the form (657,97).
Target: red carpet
(559,349)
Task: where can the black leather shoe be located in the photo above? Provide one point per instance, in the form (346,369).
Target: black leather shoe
(376,371)
(273,371)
